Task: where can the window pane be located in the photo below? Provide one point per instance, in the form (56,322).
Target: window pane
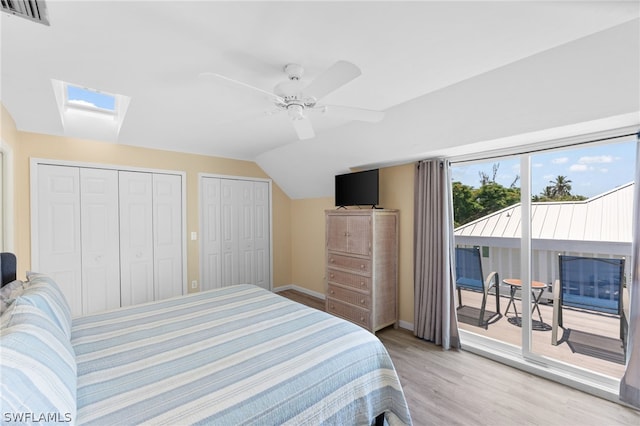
(486,199)
(90,98)
(581,242)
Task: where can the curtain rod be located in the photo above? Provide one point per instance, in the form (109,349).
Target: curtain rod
(533,151)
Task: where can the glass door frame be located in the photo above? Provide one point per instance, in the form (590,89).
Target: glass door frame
(523,357)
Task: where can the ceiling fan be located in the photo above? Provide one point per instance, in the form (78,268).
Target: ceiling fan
(297,97)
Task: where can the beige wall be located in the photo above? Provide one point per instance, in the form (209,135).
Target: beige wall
(308,235)
(308,242)
(396,192)
(31,145)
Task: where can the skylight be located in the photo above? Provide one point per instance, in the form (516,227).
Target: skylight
(87,112)
(79,97)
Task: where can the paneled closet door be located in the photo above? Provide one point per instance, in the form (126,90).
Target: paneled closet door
(245,231)
(58,233)
(100,239)
(136,237)
(236,243)
(167,233)
(230,224)
(261,235)
(211,247)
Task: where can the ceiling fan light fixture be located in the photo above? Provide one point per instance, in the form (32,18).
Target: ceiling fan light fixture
(295,111)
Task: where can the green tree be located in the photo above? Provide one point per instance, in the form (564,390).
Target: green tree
(560,190)
(493,197)
(561,187)
(465,205)
(471,203)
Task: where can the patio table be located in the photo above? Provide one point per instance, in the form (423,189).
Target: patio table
(514,284)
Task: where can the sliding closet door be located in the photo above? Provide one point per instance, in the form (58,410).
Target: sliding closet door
(100,239)
(57,237)
(167,234)
(136,237)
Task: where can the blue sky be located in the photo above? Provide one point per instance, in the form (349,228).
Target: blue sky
(591,170)
(91,98)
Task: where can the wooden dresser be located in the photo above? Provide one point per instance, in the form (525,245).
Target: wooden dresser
(362,266)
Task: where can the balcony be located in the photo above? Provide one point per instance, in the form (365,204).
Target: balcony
(590,340)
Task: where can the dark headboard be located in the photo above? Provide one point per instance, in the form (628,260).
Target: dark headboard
(7,267)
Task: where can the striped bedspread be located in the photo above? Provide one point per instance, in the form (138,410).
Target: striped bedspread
(232,356)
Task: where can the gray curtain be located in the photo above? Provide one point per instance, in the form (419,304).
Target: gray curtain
(630,383)
(434,270)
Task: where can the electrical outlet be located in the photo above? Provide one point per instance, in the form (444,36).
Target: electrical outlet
(194,284)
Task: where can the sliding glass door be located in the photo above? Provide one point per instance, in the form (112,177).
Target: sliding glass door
(487,216)
(581,228)
(555,226)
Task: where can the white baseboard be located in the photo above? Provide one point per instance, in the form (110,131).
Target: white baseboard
(406,325)
(300,289)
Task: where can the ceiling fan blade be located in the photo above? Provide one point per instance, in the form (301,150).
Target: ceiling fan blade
(304,129)
(351,113)
(205,75)
(337,75)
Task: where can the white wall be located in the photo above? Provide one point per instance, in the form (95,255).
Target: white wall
(588,79)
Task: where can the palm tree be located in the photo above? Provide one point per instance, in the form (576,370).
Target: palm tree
(561,187)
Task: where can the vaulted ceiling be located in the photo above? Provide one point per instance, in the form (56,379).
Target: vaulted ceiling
(446,74)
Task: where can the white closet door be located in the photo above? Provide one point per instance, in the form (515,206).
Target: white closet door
(262,240)
(211,247)
(167,233)
(246,226)
(235,246)
(136,237)
(100,240)
(229,231)
(58,233)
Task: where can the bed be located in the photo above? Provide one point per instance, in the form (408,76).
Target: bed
(238,355)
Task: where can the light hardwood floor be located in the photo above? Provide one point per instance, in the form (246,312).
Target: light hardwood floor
(461,388)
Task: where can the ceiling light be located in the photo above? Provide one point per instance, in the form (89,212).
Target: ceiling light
(295,111)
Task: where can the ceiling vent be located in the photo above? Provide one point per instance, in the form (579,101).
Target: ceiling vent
(34,10)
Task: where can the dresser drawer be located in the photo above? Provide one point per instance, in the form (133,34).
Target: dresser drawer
(351,280)
(358,316)
(355,298)
(352,263)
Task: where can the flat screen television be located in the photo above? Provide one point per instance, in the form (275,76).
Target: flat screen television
(357,189)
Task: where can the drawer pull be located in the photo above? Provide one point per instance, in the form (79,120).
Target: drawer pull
(362,266)
(332,292)
(362,301)
(331,275)
(331,260)
(361,283)
(362,319)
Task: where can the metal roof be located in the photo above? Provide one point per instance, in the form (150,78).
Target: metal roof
(604,217)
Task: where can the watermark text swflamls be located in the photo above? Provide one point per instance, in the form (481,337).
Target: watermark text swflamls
(26,417)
